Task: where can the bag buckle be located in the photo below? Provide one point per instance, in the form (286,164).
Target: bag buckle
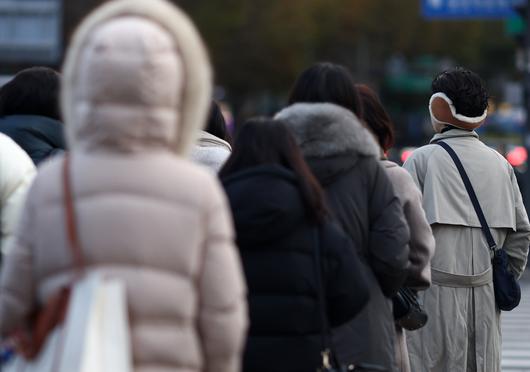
(326,359)
(493,249)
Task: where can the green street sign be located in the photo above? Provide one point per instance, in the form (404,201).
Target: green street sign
(515,25)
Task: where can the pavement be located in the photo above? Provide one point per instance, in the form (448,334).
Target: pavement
(516,332)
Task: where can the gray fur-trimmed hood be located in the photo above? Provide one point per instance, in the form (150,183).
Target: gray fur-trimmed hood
(323,130)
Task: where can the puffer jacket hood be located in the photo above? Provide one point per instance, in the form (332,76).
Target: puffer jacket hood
(271,210)
(324,130)
(136,76)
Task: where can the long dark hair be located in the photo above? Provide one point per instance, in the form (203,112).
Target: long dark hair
(267,141)
(327,82)
(33,91)
(376,117)
(216,124)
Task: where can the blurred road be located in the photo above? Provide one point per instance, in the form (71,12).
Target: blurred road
(516,333)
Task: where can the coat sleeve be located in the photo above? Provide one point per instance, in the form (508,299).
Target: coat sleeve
(17,292)
(421,243)
(223,309)
(517,242)
(389,233)
(16,173)
(413,165)
(347,288)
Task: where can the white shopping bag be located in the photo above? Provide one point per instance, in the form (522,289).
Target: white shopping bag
(95,334)
(45,361)
(97,329)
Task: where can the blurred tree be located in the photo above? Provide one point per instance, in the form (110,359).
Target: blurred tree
(258,44)
(73,13)
(262,45)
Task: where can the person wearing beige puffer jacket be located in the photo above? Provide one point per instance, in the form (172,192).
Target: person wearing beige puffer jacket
(136,92)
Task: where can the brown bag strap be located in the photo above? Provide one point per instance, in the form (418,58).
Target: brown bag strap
(71,228)
(54,310)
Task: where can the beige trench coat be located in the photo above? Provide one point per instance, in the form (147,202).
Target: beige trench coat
(463,333)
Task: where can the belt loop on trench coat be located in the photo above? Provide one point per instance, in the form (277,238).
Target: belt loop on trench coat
(445,279)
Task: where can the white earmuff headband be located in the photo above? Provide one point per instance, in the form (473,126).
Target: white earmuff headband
(465,119)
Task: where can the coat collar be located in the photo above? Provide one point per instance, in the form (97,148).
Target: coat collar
(326,130)
(209,140)
(454,133)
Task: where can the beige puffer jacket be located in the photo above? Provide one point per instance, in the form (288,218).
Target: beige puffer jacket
(136,91)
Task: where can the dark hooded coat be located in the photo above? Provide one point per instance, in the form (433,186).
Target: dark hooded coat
(277,241)
(345,158)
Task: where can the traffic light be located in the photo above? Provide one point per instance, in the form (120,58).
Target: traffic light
(516,26)
(517,23)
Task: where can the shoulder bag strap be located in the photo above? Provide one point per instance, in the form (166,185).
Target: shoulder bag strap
(471,192)
(71,228)
(321,292)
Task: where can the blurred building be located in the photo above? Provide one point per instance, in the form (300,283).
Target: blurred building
(30,33)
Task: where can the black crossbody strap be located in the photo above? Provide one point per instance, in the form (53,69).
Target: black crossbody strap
(469,187)
(321,292)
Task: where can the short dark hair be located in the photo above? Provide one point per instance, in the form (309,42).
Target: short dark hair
(33,91)
(376,117)
(266,141)
(216,123)
(327,82)
(465,88)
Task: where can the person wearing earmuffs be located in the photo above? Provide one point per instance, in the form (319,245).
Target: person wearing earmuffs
(463,333)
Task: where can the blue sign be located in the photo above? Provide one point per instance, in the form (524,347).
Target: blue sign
(467,9)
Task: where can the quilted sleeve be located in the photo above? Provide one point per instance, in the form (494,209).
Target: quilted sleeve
(223,307)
